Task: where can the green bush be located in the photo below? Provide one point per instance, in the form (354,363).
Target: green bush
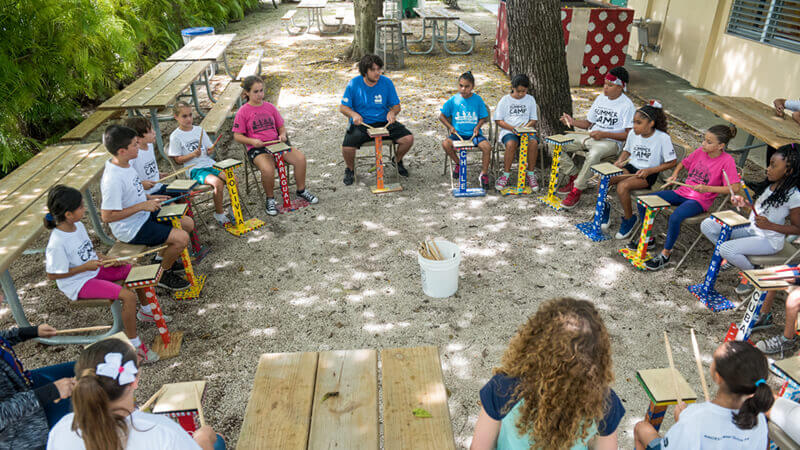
(56,55)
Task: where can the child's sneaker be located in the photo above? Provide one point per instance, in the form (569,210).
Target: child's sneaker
(657,263)
(222,219)
(455,173)
(272,207)
(725,265)
(744,288)
(763,322)
(173,282)
(605,217)
(349,177)
(626,227)
(567,188)
(776,344)
(572,199)
(401,169)
(501,183)
(483,179)
(142,316)
(308,196)
(146,355)
(530,178)
(177,266)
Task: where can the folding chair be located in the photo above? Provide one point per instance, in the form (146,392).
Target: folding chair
(788,254)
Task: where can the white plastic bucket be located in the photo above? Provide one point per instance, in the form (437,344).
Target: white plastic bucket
(440,278)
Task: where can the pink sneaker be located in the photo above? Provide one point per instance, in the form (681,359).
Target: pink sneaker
(146,355)
(501,183)
(530,178)
(572,199)
(566,189)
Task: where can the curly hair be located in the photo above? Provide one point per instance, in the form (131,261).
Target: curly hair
(562,354)
(789,181)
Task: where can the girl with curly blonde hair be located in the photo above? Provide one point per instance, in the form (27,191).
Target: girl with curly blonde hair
(552,389)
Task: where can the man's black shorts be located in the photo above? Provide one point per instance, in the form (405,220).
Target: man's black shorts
(356,136)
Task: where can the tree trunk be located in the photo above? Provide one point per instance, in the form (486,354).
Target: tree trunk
(366,13)
(536,48)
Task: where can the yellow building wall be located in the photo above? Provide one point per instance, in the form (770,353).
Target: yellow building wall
(694,49)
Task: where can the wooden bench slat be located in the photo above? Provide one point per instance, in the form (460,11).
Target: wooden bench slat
(90,124)
(340,12)
(13,181)
(122,97)
(155,86)
(38,185)
(27,226)
(467,29)
(174,88)
(289,14)
(214,119)
(353,413)
(403,392)
(251,65)
(278,413)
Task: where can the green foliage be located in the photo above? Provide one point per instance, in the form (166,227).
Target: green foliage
(58,54)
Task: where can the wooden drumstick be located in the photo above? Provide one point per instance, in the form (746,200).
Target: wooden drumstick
(678,183)
(672,369)
(199,407)
(696,350)
(177,172)
(126,258)
(438,253)
(152,399)
(84,329)
(210,149)
(728,183)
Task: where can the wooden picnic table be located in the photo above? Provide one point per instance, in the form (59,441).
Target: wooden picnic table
(758,119)
(330,400)
(314,9)
(209,47)
(436,19)
(157,89)
(23,205)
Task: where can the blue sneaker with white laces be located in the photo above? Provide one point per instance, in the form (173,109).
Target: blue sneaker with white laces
(605,217)
(626,227)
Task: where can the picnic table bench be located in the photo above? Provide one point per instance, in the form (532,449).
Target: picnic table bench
(758,119)
(88,125)
(314,9)
(330,400)
(23,205)
(437,19)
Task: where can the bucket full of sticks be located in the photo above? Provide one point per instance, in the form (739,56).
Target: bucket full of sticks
(438,262)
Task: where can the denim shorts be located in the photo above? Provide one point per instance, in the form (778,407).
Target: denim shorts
(475,141)
(200,174)
(514,137)
(655,444)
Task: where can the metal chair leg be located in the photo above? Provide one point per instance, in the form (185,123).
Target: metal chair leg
(688,251)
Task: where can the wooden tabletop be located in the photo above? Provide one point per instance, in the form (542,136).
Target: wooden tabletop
(753,116)
(158,87)
(23,193)
(312,4)
(204,48)
(435,14)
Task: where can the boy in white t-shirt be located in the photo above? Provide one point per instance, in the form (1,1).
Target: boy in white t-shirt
(609,120)
(517,109)
(190,145)
(131,213)
(733,420)
(145,163)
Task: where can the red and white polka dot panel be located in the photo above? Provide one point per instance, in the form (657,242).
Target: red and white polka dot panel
(566,21)
(606,43)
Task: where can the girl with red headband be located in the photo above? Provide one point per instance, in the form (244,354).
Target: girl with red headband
(609,120)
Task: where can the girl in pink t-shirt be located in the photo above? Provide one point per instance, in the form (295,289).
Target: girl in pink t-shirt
(705,166)
(259,124)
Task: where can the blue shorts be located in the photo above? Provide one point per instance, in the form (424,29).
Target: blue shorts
(152,232)
(655,444)
(475,141)
(200,174)
(514,137)
(163,191)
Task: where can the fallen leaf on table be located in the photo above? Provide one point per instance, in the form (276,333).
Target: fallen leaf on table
(421,413)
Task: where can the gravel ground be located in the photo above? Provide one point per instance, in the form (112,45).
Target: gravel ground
(343,274)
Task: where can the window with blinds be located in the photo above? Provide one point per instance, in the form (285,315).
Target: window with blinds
(773,22)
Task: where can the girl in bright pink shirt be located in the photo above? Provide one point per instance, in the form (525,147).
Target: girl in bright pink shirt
(705,179)
(257,125)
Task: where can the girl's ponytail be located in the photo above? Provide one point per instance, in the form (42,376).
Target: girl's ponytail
(101,427)
(744,370)
(60,200)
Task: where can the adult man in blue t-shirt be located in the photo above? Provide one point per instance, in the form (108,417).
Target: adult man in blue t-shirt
(371,99)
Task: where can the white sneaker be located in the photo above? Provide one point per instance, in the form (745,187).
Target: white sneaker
(146,355)
(142,316)
(530,178)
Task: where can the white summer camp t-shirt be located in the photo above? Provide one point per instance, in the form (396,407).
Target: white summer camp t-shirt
(65,251)
(647,152)
(145,432)
(121,188)
(612,116)
(775,214)
(708,426)
(147,168)
(792,105)
(184,142)
(515,112)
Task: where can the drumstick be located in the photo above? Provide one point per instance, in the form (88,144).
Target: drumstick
(699,364)
(728,183)
(83,330)
(672,369)
(177,172)
(153,398)
(750,201)
(125,258)
(780,277)
(199,407)
(188,194)
(210,149)
(438,253)
(678,183)
(786,269)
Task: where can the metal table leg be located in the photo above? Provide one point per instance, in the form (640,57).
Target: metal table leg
(157,130)
(196,101)
(10,293)
(96,222)
(228,70)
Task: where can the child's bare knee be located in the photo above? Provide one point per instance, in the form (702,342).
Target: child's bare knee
(179,238)
(128,298)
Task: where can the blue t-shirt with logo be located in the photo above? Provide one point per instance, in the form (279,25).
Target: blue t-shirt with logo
(464,113)
(371,102)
